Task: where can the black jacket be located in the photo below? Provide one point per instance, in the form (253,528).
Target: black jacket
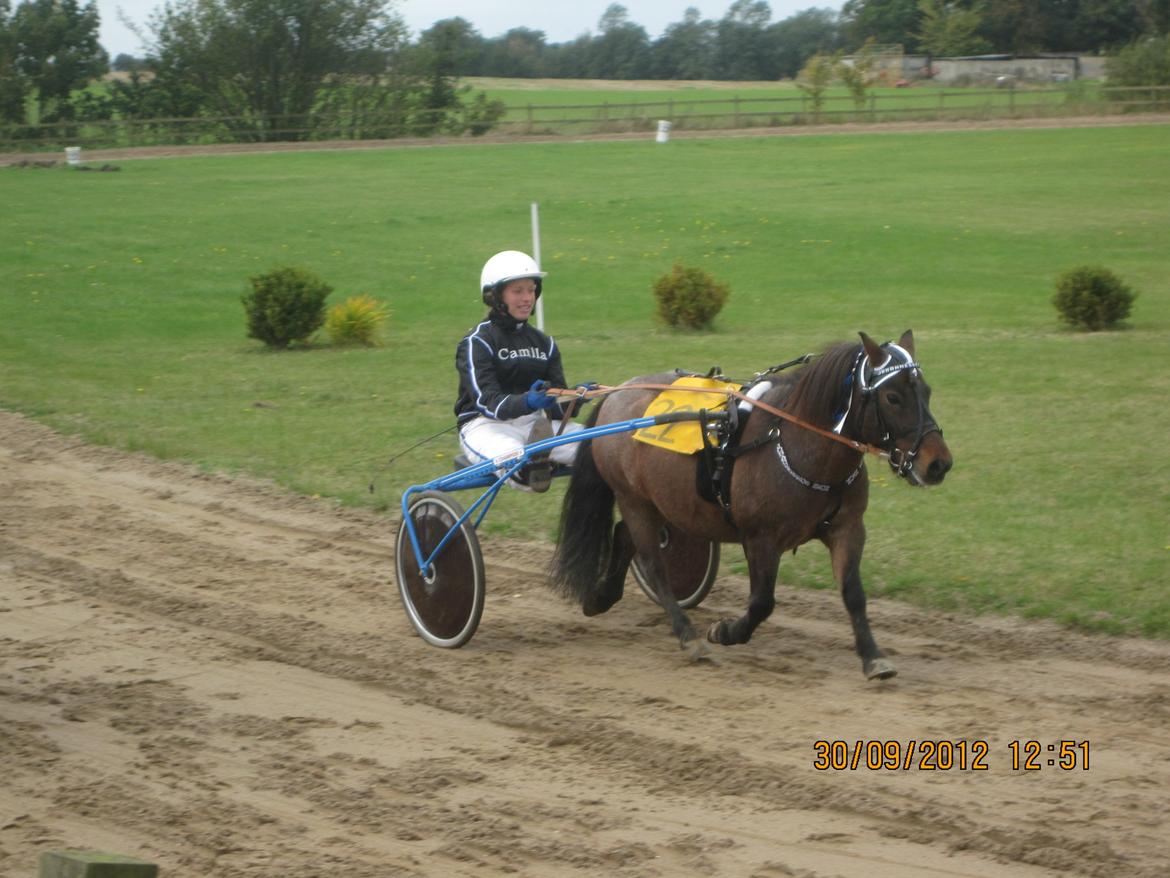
(497,362)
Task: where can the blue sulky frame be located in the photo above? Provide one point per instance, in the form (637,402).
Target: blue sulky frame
(485,475)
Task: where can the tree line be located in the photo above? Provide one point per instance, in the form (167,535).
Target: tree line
(280,67)
(746,44)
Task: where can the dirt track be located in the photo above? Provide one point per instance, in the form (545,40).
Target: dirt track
(217,676)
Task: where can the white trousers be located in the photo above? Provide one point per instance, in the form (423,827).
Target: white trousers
(486,439)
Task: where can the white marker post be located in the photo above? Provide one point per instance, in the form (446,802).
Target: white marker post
(536,256)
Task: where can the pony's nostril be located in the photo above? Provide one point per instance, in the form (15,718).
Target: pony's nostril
(938,468)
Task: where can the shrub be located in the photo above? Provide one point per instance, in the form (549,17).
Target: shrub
(1143,62)
(814,78)
(357,320)
(481,115)
(285,305)
(689,297)
(1092,297)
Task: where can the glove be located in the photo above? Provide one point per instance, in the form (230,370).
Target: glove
(586,386)
(537,399)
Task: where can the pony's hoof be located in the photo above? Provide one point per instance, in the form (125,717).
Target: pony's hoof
(880,669)
(717,632)
(595,605)
(696,649)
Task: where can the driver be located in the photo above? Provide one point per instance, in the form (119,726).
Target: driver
(504,367)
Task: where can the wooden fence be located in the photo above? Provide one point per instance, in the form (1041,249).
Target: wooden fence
(913,104)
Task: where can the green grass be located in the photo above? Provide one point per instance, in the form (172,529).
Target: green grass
(546,106)
(122,322)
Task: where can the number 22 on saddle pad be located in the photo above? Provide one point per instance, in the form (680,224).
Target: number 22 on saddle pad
(685,436)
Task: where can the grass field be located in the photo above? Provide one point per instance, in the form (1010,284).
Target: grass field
(583,106)
(123,323)
(574,107)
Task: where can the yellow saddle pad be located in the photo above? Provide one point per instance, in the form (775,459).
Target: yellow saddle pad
(684,437)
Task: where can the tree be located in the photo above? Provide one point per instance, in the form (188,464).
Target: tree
(518,53)
(57,50)
(124,63)
(266,60)
(686,49)
(886,21)
(815,77)
(741,50)
(1110,24)
(441,52)
(947,29)
(800,36)
(13,85)
(858,75)
(623,49)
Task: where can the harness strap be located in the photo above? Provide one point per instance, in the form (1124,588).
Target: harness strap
(818,486)
(772,410)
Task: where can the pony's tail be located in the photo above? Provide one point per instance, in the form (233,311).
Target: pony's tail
(586,533)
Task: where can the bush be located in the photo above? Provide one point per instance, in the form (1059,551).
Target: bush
(1092,297)
(285,305)
(1144,62)
(689,297)
(358,320)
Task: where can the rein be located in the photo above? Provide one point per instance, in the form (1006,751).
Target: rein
(772,410)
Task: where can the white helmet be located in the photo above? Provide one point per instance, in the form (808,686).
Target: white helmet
(507,265)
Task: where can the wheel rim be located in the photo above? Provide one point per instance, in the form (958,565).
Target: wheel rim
(444,603)
(691,565)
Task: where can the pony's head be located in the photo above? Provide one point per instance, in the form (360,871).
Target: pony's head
(894,410)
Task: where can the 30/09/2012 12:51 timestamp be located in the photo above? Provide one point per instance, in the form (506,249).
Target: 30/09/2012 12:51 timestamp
(947,755)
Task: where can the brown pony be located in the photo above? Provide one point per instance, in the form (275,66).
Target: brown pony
(794,486)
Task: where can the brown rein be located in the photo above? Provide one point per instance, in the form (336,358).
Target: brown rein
(603,390)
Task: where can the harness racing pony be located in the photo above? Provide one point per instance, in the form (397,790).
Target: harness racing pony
(794,486)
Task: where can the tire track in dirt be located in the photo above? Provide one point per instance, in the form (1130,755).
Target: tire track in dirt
(216,675)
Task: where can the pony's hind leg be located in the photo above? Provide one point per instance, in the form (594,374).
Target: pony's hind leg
(845,549)
(763,559)
(644,523)
(613,581)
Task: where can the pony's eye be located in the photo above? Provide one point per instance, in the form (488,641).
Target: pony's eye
(893,399)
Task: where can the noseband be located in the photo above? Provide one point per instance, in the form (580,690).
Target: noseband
(868,378)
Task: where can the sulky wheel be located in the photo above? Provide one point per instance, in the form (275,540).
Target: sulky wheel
(445,604)
(691,565)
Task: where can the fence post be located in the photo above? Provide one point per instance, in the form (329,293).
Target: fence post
(737,120)
(529,129)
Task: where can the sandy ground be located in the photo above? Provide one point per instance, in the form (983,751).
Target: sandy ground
(217,676)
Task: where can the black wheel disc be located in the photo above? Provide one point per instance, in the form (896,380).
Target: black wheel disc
(444,603)
(691,565)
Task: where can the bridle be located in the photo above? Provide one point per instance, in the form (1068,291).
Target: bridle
(867,378)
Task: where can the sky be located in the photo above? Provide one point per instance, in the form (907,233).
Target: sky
(560,22)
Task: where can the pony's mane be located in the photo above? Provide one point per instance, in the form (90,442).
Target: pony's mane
(819,386)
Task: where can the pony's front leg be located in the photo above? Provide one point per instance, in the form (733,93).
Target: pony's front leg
(763,560)
(845,548)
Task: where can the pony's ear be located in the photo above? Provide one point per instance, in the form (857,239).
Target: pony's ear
(907,342)
(873,350)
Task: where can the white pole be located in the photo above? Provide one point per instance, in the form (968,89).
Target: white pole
(536,256)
